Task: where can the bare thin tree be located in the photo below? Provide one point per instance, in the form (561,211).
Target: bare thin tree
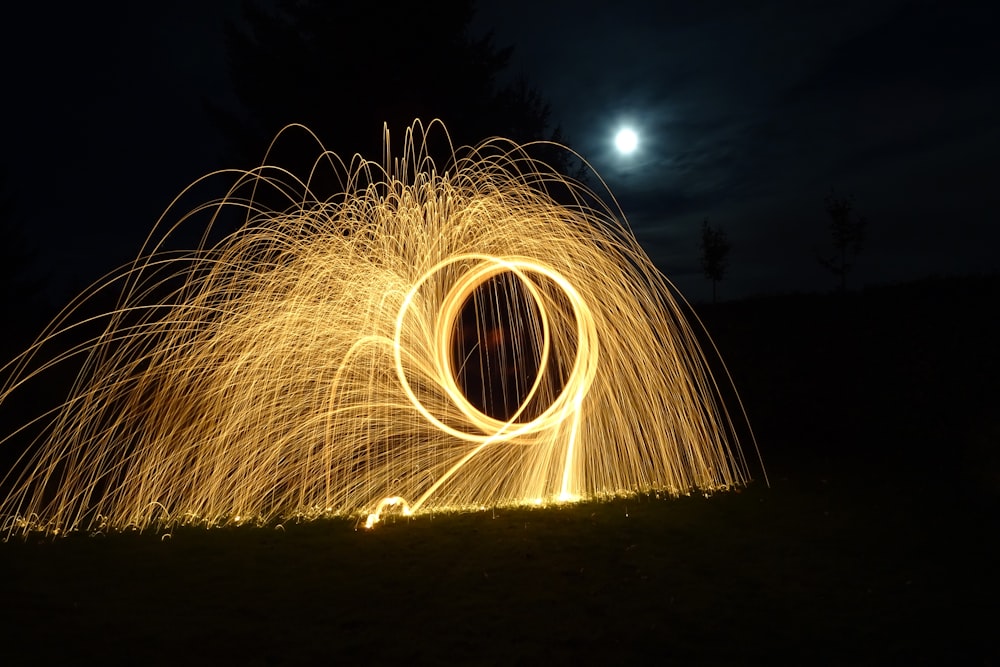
(847,229)
(715,249)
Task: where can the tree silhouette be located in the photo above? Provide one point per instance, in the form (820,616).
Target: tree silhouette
(715,249)
(20,290)
(343,69)
(847,230)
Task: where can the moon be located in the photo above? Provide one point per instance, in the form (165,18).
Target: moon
(626,140)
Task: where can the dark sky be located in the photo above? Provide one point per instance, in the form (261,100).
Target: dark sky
(748,114)
(104,123)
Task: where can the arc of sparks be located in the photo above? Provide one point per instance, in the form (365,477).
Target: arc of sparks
(457,338)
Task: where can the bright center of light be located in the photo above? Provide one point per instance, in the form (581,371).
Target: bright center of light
(626,140)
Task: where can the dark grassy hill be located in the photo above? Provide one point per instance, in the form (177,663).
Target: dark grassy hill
(903,380)
(875,414)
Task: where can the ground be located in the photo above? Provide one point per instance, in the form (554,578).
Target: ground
(875,416)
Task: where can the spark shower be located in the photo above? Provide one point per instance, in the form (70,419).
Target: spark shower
(482,333)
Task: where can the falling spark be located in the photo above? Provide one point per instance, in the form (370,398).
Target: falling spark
(486,334)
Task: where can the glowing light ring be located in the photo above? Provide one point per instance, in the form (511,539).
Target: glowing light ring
(494,430)
(453,303)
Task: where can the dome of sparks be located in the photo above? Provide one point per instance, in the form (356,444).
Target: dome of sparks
(478,333)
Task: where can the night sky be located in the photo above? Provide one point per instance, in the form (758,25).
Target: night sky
(748,114)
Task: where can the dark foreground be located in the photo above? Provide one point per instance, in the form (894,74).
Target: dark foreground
(874,543)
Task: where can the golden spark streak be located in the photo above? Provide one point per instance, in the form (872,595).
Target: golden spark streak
(312,363)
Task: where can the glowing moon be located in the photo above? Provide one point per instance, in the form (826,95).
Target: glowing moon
(626,141)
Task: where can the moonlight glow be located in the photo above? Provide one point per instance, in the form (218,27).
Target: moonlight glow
(426,340)
(626,140)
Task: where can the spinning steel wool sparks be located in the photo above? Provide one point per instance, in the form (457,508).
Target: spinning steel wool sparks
(486,334)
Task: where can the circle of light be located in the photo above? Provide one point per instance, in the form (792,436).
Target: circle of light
(626,140)
(494,430)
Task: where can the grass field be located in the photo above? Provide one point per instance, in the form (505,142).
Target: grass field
(875,415)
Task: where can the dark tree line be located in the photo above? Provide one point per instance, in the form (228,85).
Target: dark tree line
(847,236)
(21,296)
(344,68)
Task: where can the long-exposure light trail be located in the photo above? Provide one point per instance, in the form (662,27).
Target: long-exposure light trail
(487,333)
